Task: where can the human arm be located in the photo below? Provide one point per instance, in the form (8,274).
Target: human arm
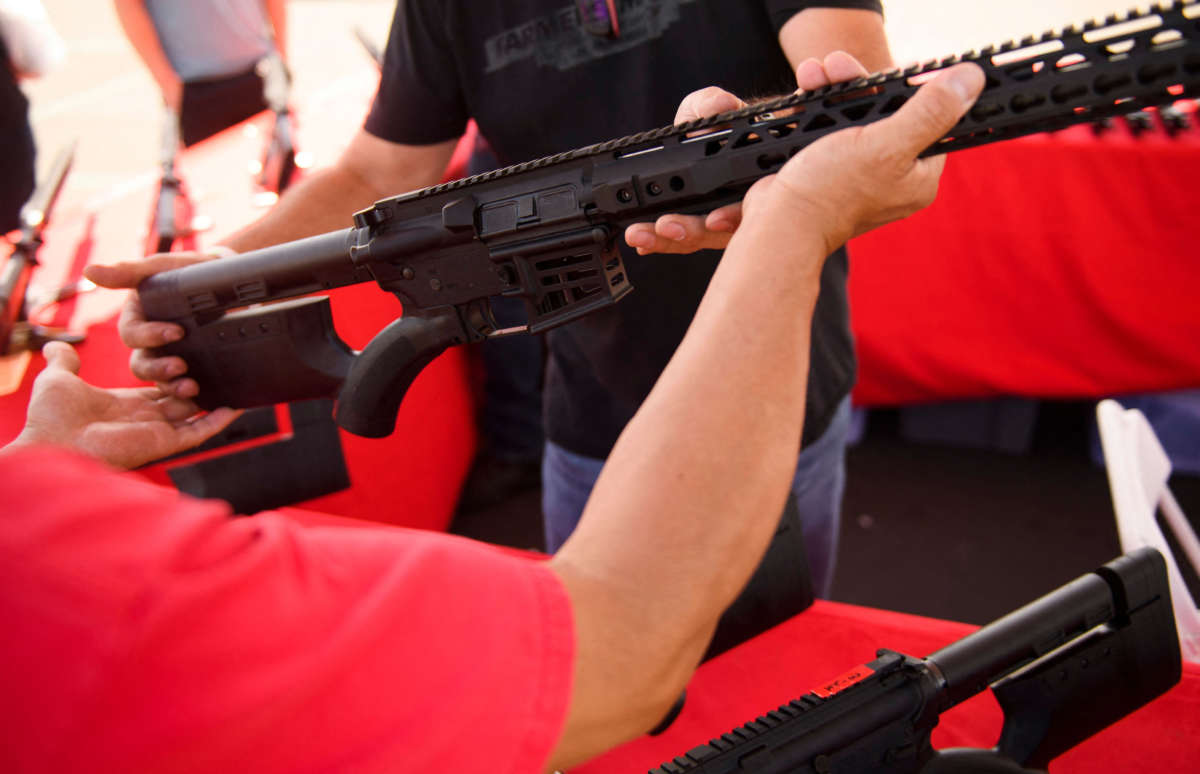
(816,32)
(34,46)
(139,29)
(123,427)
(369,169)
(692,491)
(809,39)
(277,16)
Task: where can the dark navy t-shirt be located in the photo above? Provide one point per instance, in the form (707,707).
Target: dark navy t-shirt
(537,83)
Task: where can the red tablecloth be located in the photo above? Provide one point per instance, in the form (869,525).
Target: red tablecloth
(1059,265)
(831,638)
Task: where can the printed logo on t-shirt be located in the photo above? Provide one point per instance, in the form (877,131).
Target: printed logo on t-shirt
(559,40)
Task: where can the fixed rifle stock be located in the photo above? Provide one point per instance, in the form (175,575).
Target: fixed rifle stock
(545,231)
(1062,668)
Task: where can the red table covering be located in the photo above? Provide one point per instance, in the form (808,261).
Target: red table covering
(1060,265)
(830,638)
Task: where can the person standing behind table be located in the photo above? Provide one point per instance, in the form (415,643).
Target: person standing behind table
(203,54)
(537,83)
(29,46)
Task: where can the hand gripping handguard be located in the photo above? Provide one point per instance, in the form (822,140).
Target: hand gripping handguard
(545,231)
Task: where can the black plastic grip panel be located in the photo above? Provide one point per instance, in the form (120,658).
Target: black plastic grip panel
(381,374)
(266,355)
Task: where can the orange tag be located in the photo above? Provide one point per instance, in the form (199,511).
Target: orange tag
(12,371)
(842,682)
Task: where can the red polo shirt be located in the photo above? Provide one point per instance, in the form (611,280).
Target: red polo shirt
(146,631)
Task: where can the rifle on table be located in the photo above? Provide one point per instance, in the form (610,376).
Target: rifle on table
(172,200)
(17,333)
(546,231)
(1062,668)
(279,156)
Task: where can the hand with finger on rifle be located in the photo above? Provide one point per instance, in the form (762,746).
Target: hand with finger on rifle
(682,234)
(142,335)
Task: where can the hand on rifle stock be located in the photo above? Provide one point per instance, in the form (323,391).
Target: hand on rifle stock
(140,334)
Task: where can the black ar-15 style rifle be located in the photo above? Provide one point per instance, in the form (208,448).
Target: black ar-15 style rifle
(1062,668)
(546,230)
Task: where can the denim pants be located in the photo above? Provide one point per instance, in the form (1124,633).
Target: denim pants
(820,481)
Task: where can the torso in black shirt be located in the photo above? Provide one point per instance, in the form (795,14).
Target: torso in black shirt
(536,84)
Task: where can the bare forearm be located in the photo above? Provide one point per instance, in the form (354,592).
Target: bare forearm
(816,32)
(688,499)
(711,450)
(369,170)
(321,202)
(693,490)
(139,28)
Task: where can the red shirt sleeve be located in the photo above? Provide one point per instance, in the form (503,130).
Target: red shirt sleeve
(147,631)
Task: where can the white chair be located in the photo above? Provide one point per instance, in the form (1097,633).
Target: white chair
(1138,469)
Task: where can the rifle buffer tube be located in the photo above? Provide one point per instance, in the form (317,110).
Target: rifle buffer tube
(289,350)
(971,664)
(291,269)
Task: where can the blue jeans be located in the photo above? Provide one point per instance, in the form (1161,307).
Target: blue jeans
(820,481)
